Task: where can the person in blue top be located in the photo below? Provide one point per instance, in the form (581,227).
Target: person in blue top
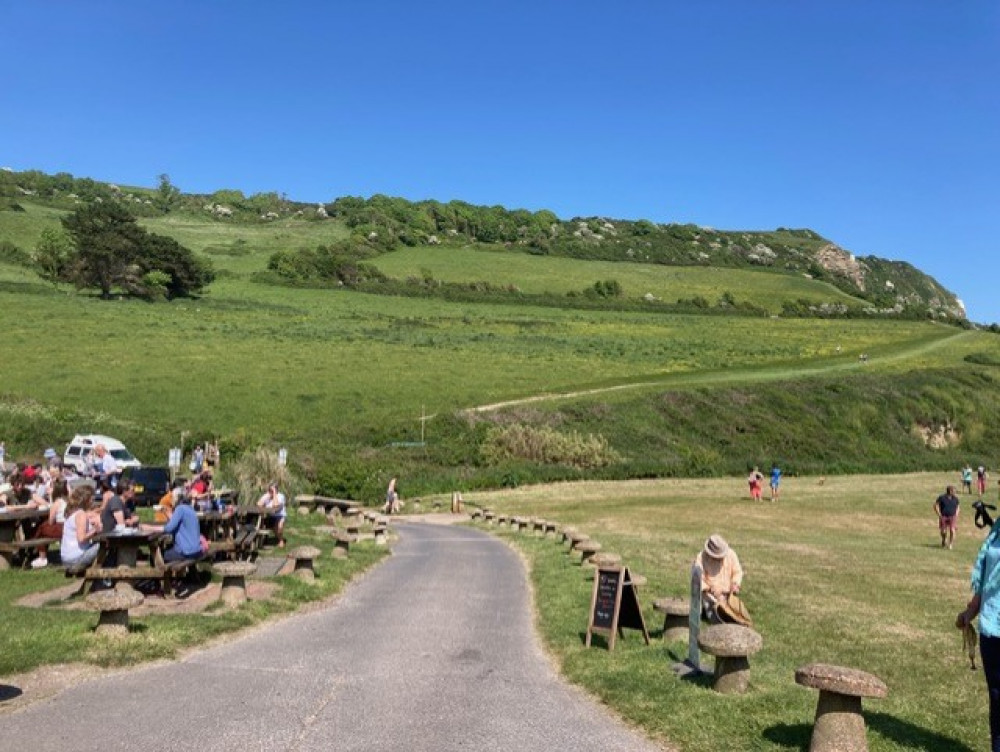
(183,525)
(985,603)
(775,481)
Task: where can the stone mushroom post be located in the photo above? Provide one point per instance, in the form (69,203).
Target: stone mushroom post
(839,725)
(303,557)
(587,550)
(732,645)
(234,583)
(605,559)
(114,605)
(342,544)
(676,613)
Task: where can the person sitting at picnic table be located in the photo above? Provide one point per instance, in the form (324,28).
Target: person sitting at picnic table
(165,508)
(201,491)
(183,526)
(82,524)
(721,581)
(54,524)
(274,502)
(114,506)
(114,512)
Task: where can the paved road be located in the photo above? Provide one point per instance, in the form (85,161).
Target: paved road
(433,650)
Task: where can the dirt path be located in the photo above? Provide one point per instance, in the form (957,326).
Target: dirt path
(734,375)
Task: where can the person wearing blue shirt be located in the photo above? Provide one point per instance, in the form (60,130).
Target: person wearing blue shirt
(183,525)
(985,603)
(775,481)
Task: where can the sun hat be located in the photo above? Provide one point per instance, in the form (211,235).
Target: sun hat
(716,546)
(50,453)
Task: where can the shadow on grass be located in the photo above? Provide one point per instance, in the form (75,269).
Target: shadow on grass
(9,692)
(798,735)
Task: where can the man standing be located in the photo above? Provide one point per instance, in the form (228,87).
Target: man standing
(105,466)
(775,481)
(967,478)
(946,508)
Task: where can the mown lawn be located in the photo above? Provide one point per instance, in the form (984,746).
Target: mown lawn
(846,570)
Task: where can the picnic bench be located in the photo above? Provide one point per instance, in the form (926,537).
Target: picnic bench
(19,552)
(129,570)
(16,529)
(324,504)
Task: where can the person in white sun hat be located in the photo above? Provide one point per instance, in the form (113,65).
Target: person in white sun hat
(721,581)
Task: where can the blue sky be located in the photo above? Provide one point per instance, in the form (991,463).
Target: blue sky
(877,124)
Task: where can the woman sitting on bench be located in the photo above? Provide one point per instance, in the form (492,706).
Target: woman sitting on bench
(82,523)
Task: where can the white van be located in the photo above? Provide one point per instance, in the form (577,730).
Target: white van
(80,452)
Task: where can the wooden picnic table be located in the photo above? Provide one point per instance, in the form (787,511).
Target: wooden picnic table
(17,526)
(125,544)
(254,516)
(325,503)
(217,526)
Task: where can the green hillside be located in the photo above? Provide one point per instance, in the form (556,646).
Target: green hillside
(559,276)
(503,359)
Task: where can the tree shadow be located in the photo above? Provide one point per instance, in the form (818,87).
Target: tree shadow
(9,692)
(798,735)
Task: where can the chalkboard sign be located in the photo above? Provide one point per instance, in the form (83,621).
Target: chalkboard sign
(614,605)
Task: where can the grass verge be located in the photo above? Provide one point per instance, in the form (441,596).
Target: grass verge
(33,637)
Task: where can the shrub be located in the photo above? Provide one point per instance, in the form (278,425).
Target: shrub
(13,254)
(547,446)
(254,470)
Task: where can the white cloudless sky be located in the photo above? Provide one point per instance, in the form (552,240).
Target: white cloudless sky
(877,124)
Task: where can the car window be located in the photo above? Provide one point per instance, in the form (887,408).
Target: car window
(122,454)
(73,451)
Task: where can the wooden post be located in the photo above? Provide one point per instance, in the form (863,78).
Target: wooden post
(694,619)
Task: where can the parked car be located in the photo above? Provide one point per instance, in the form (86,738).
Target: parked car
(149,483)
(79,452)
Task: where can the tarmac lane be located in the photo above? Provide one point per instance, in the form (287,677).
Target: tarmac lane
(434,649)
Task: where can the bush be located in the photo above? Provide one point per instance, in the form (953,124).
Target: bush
(547,446)
(254,470)
(13,254)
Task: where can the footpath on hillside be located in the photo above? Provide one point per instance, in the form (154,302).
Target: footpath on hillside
(432,650)
(748,375)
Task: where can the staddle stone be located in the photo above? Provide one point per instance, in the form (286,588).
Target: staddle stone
(113,606)
(676,616)
(587,550)
(731,644)
(606,559)
(303,557)
(234,584)
(839,724)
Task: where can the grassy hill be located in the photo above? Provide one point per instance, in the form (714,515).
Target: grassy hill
(559,276)
(343,377)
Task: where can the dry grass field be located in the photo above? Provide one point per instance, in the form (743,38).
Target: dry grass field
(844,570)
